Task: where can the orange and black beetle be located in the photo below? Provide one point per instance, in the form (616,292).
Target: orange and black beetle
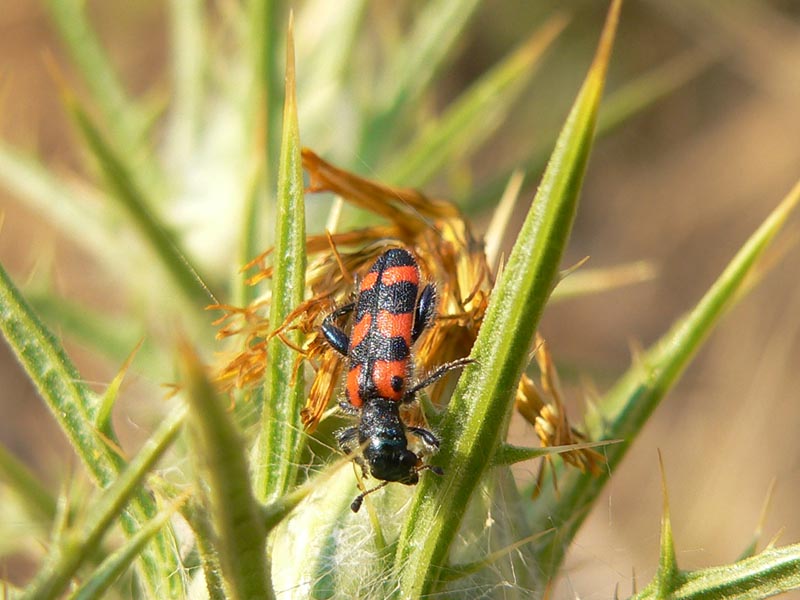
(390,315)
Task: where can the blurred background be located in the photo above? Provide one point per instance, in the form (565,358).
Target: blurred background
(681,183)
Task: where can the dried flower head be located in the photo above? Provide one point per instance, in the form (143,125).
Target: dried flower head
(449,254)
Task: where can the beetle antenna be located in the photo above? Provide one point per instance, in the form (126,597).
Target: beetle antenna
(355,506)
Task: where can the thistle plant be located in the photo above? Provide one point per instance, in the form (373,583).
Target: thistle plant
(238,490)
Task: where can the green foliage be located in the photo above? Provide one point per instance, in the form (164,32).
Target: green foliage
(477,416)
(261,522)
(280,442)
(233,506)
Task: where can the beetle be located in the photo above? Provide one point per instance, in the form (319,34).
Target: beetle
(390,315)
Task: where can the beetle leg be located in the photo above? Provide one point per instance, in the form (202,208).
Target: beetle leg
(428,441)
(435,375)
(425,311)
(334,334)
(347,439)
